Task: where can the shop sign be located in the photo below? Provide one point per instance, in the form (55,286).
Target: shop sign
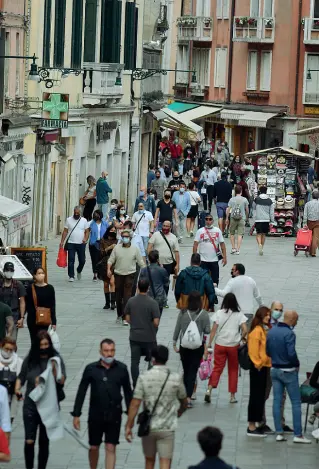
(18,222)
(103,130)
(312,110)
(55,110)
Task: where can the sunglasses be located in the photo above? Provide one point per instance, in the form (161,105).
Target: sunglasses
(208,218)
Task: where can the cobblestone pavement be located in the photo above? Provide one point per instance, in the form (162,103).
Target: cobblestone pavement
(82,323)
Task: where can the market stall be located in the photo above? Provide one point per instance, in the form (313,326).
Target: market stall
(14,217)
(284,172)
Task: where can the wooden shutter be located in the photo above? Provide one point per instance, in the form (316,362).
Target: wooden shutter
(216,68)
(47,33)
(222,68)
(130,44)
(110,46)
(254,8)
(59,33)
(219,9)
(225,9)
(265,71)
(76,45)
(252,70)
(90,31)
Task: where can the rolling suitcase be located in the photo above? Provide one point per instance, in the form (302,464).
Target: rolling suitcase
(303,241)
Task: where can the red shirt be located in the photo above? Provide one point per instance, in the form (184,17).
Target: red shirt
(4,445)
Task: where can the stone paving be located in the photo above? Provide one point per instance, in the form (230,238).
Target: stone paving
(82,323)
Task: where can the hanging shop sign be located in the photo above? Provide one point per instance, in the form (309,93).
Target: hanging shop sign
(312,110)
(55,110)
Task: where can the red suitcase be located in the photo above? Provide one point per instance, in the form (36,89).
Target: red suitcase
(303,241)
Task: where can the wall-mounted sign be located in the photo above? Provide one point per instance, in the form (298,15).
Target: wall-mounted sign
(55,110)
(18,222)
(312,110)
(103,130)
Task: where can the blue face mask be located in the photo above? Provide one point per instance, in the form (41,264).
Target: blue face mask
(107,360)
(126,240)
(141,212)
(182,189)
(276,315)
(141,193)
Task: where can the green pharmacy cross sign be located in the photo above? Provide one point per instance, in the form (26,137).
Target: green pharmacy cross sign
(55,110)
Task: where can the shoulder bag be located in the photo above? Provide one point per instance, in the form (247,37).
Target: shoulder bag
(169,246)
(42,315)
(139,222)
(217,250)
(67,240)
(145,417)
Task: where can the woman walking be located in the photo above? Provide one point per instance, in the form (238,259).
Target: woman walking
(259,370)
(33,365)
(228,330)
(98,228)
(120,217)
(44,295)
(10,367)
(90,198)
(193,213)
(108,242)
(191,357)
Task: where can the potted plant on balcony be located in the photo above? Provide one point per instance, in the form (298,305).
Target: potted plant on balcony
(252,22)
(207,22)
(315,24)
(269,24)
(241,21)
(162,25)
(186,21)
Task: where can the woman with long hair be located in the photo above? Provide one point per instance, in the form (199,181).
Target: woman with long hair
(193,213)
(108,243)
(236,168)
(228,330)
(259,370)
(191,357)
(33,366)
(90,198)
(45,297)
(10,367)
(98,227)
(120,217)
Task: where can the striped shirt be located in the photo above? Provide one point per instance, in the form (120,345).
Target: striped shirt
(311,212)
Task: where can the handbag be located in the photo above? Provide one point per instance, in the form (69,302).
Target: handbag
(8,379)
(308,393)
(145,417)
(243,357)
(217,250)
(62,259)
(67,239)
(42,314)
(169,246)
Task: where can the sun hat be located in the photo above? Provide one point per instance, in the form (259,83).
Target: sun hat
(289,201)
(280,202)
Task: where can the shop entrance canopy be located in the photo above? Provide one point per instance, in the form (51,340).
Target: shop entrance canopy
(248,118)
(290,151)
(178,122)
(14,214)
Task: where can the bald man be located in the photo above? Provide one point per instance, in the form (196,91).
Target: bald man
(102,193)
(281,348)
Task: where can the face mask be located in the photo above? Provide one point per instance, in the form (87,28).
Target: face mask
(6,355)
(141,211)
(76,216)
(8,275)
(276,315)
(209,227)
(165,230)
(107,360)
(126,240)
(176,141)
(112,235)
(122,212)
(232,274)
(113,206)
(182,189)
(152,195)
(141,193)
(44,351)
(166,196)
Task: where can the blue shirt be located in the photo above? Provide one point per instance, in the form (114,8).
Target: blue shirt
(281,347)
(150,177)
(182,201)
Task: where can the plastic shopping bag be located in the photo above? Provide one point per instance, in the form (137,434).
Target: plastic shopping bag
(206,368)
(55,339)
(62,260)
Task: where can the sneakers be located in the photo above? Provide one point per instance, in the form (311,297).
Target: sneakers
(194,397)
(233,251)
(301,440)
(261,250)
(207,397)
(188,235)
(125,323)
(257,433)
(79,275)
(237,252)
(119,320)
(95,279)
(280,438)
(267,430)
(71,279)
(191,234)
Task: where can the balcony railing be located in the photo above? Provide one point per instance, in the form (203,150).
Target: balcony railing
(194,28)
(198,89)
(99,88)
(246,29)
(311,30)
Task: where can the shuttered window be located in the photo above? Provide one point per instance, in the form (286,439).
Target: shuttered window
(222,9)
(203,8)
(77,21)
(47,33)
(90,31)
(182,60)
(201,63)
(254,8)
(265,70)
(111,31)
(252,70)
(59,32)
(220,68)
(130,44)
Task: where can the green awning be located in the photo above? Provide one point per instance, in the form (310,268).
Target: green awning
(181,107)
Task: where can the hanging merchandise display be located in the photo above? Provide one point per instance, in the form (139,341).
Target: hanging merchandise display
(284,172)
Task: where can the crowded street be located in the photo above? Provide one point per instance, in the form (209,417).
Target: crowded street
(82,324)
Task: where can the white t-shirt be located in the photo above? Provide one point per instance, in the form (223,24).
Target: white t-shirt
(78,233)
(246,292)
(228,333)
(195,198)
(143,228)
(205,247)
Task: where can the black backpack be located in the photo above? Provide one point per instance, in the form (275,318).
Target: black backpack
(243,357)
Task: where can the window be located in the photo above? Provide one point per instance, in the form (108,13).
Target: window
(151,59)
(77,21)
(203,8)
(265,70)
(90,31)
(130,44)
(201,63)
(222,9)
(220,68)
(268,8)
(254,8)
(315,9)
(111,31)
(182,64)
(18,62)
(47,34)
(59,32)
(311,89)
(7,65)
(252,70)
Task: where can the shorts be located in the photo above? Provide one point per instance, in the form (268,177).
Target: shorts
(237,225)
(262,227)
(161,443)
(221,208)
(193,213)
(111,431)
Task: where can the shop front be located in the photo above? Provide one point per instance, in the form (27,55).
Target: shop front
(15,218)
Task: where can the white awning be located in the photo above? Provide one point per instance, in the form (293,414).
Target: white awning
(247,118)
(291,151)
(308,131)
(179,118)
(159,115)
(231,114)
(200,111)
(16,214)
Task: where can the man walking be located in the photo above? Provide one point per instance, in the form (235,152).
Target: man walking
(174,184)
(166,387)
(280,347)
(106,377)
(222,195)
(208,179)
(150,175)
(12,293)
(182,201)
(143,315)
(124,258)
(147,201)
(265,211)
(143,222)
(311,220)
(159,185)
(102,193)
(195,278)
(238,213)
(74,238)
(158,279)
(207,242)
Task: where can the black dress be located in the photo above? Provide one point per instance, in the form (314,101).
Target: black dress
(46,299)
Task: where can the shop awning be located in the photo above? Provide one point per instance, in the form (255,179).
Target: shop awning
(180,119)
(178,106)
(159,115)
(291,151)
(308,131)
(16,214)
(231,114)
(248,118)
(199,112)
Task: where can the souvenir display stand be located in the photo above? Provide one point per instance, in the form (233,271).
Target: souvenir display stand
(284,172)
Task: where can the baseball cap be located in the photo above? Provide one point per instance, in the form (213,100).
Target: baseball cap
(8,266)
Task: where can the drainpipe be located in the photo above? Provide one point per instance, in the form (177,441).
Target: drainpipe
(231,51)
(298,57)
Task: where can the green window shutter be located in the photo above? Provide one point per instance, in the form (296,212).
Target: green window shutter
(130,45)
(59,32)
(111,31)
(77,21)
(47,33)
(90,31)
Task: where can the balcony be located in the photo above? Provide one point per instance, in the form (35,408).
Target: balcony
(311,30)
(255,30)
(198,90)
(99,84)
(194,28)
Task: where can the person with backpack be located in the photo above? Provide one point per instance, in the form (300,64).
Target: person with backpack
(12,293)
(158,278)
(192,323)
(236,214)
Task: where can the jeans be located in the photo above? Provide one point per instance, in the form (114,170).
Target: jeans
(138,350)
(213,269)
(73,249)
(145,240)
(209,195)
(280,381)
(104,208)
(190,361)
(181,225)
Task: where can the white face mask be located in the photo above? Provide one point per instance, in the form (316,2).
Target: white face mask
(8,275)
(6,355)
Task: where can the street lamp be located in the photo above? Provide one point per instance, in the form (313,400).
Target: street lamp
(309,73)
(33,74)
(142,74)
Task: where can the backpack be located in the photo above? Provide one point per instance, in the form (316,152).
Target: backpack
(191,338)
(236,213)
(243,358)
